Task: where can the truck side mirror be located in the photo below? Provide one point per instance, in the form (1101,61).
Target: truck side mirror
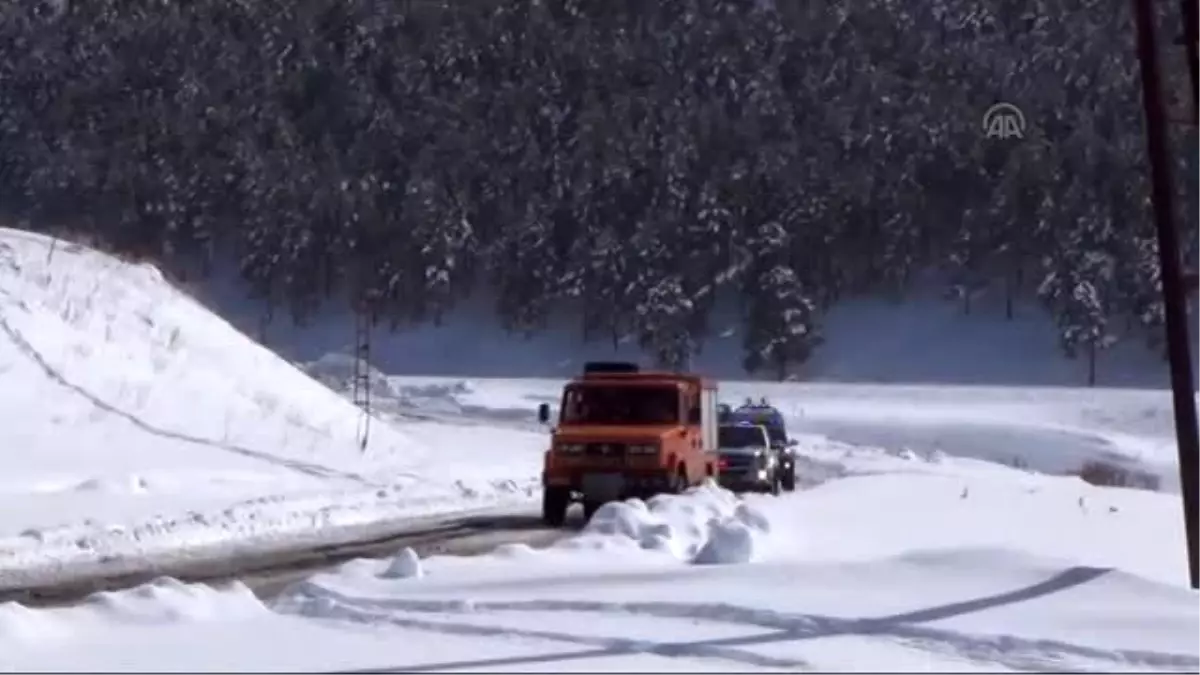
(543,412)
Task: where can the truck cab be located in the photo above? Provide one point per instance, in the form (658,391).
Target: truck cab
(623,432)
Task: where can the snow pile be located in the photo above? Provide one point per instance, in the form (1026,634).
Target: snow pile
(459,400)
(732,540)
(404,565)
(20,624)
(164,601)
(336,370)
(168,600)
(705,525)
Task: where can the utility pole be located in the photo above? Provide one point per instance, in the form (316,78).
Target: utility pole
(1173,291)
(1191,42)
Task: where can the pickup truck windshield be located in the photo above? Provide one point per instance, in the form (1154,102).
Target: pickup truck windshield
(772,421)
(740,437)
(616,404)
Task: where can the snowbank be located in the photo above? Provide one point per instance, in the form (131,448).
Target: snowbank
(140,428)
(405,565)
(705,525)
(336,371)
(161,602)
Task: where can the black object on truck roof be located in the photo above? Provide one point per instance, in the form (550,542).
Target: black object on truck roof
(610,367)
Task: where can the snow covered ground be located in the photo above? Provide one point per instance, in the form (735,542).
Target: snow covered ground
(137,427)
(896,563)
(1050,429)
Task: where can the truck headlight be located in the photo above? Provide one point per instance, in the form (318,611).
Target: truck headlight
(570,448)
(643,449)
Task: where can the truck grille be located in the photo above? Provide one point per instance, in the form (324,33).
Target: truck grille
(739,461)
(607,450)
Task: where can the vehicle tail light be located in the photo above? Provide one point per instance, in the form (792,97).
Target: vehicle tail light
(723,463)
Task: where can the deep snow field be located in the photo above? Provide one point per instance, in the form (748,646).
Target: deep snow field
(899,564)
(136,426)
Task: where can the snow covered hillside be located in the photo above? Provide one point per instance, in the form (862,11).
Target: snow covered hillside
(895,563)
(924,339)
(134,423)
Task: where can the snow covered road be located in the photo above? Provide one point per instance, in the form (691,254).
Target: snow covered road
(267,573)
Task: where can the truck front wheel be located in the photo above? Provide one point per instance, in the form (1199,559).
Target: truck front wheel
(789,477)
(680,483)
(590,507)
(555,501)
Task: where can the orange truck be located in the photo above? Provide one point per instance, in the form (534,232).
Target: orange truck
(623,432)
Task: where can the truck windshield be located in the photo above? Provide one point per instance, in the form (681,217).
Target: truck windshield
(774,425)
(776,434)
(739,437)
(616,404)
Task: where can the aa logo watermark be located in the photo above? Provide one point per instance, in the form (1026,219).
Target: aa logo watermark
(1004,121)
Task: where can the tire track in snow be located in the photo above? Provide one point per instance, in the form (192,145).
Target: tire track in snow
(1006,650)
(328,607)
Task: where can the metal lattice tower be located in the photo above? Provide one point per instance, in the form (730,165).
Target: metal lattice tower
(362,373)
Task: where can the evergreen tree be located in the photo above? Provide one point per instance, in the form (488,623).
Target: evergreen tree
(635,162)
